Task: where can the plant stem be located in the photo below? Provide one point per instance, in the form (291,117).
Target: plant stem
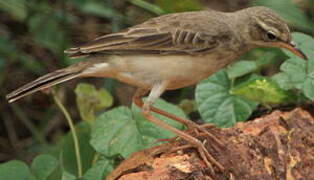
(73,132)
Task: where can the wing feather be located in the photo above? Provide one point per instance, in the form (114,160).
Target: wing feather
(152,37)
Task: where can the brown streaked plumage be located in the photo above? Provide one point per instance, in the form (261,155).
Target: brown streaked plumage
(170,52)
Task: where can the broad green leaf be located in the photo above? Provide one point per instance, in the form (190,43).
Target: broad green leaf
(305,43)
(89,100)
(308,88)
(43,166)
(149,129)
(67,176)
(216,104)
(15,170)
(296,72)
(241,68)
(122,132)
(115,132)
(283,80)
(263,90)
(293,74)
(171,6)
(268,56)
(289,11)
(87,153)
(99,170)
(244,67)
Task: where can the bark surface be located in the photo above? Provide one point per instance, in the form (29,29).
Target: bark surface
(277,146)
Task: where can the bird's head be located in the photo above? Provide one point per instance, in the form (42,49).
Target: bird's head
(267,29)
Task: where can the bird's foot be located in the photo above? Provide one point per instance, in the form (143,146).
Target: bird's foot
(204,129)
(208,159)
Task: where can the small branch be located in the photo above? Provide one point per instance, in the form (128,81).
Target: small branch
(73,132)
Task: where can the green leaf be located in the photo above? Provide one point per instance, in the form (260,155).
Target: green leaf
(115,132)
(171,6)
(188,106)
(216,104)
(244,67)
(149,129)
(15,170)
(263,90)
(283,81)
(17,8)
(289,11)
(148,6)
(268,56)
(43,166)
(86,151)
(89,100)
(100,170)
(241,68)
(101,10)
(122,132)
(308,88)
(297,73)
(67,176)
(305,43)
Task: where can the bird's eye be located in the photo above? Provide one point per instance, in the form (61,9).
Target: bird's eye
(271,36)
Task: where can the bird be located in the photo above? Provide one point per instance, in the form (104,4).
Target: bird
(169,52)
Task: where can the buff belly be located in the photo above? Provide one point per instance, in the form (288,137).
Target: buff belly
(146,70)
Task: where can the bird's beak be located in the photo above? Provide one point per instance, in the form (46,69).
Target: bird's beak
(291,46)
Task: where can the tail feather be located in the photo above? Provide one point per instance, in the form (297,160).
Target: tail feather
(43,82)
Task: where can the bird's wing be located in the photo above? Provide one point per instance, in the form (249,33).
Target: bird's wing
(151,38)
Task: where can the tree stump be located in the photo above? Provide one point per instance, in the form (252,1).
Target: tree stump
(276,146)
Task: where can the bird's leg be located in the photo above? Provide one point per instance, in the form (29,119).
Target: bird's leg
(156,91)
(190,124)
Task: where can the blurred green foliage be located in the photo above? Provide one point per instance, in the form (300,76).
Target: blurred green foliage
(33,35)
(290,12)
(263,90)
(171,6)
(297,73)
(41,168)
(89,100)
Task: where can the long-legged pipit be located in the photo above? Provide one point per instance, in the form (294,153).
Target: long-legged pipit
(171,52)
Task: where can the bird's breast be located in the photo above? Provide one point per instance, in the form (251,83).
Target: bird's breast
(180,70)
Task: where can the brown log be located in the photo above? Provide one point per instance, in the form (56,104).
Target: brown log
(277,146)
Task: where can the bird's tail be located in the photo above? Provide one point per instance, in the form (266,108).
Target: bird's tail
(46,81)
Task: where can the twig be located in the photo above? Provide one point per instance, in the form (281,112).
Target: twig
(73,132)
